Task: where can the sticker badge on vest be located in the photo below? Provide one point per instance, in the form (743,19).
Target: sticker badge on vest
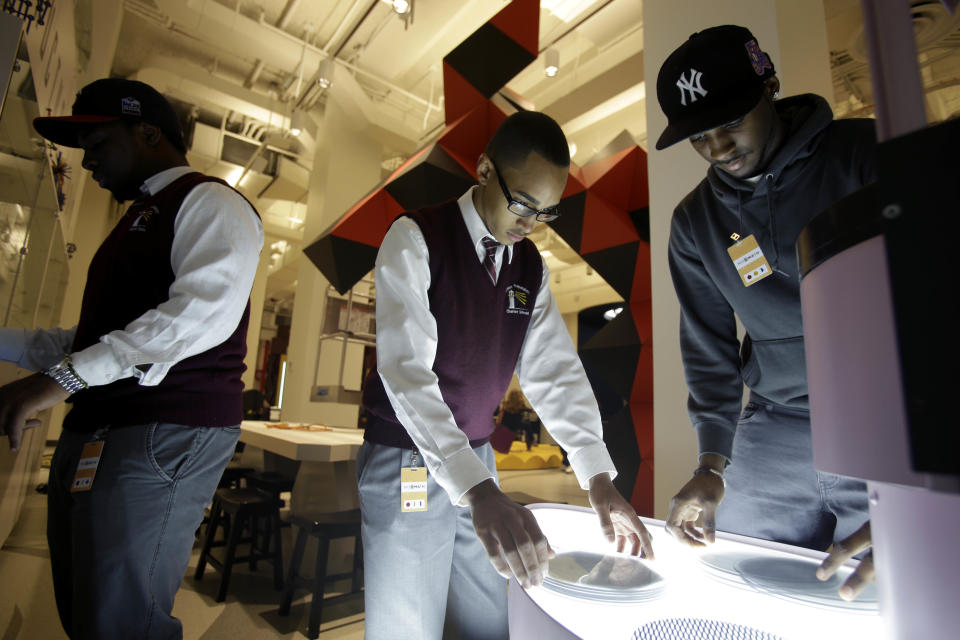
(748,260)
(518,300)
(87,466)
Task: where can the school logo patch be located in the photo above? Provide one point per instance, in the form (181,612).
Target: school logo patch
(518,298)
(142,221)
(759,60)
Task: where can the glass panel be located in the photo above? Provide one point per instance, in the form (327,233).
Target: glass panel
(33,269)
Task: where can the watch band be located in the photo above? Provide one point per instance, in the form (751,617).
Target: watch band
(715,472)
(64,375)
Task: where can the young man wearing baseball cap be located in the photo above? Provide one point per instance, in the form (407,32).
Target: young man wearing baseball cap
(152,368)
(774,164)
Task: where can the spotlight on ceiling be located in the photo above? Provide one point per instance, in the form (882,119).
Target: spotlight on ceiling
(551,63)
(325,73)
(401,6)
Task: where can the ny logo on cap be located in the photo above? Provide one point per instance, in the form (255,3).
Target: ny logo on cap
(690,87)
(130,107)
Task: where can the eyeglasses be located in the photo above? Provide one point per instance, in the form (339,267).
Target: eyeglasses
(522,210)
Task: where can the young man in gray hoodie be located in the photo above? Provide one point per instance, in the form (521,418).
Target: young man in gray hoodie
(774,165)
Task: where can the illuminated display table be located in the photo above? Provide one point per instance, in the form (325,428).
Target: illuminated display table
(736,588)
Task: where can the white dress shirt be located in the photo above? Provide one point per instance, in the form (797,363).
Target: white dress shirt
(548,369)
(216,246)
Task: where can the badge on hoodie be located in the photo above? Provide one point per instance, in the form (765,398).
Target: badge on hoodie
(748,260)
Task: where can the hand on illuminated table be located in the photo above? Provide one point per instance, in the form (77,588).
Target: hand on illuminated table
(618,520)
(847,548)
(699,498)
(510,534)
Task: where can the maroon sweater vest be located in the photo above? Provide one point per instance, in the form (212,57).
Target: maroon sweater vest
(480,328)
(129,275)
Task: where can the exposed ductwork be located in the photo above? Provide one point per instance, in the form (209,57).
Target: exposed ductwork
(193,83)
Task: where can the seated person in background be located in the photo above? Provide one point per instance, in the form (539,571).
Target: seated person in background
(255,405)
(516,415)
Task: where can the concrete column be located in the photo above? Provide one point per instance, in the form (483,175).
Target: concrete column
(793,33)
(346,167)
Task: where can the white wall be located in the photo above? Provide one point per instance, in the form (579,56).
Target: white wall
(793,33)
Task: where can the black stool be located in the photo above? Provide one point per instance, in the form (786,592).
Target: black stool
(237,509)
(325,527)
(269,481)
(232,476)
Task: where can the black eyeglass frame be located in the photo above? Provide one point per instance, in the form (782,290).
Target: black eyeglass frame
(522,210)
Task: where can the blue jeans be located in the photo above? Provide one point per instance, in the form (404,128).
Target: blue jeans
(423,569)
(774,492)
(120,550)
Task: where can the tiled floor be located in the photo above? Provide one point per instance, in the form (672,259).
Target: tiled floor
(28,612)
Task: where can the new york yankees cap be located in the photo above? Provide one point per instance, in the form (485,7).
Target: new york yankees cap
(713,78)
(109,100)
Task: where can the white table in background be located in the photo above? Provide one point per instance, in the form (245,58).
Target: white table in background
(326,479)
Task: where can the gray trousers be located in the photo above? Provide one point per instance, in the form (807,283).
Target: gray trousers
(774,492)
(120,550)
(424,570)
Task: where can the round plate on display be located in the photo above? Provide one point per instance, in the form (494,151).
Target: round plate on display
(603,577)
(786,577)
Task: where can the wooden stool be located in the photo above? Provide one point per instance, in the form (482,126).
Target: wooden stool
(237,509)
(325,527)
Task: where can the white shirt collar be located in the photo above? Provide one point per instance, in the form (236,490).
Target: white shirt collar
(158,181)
(475,225)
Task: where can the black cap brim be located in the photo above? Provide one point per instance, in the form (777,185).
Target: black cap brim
(63,130)
(700,122)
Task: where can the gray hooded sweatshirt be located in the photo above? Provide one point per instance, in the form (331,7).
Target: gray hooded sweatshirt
(820,161)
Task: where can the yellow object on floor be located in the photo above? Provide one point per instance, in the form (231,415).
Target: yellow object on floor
(540,456)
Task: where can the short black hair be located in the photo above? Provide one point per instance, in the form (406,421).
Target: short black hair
(527,132)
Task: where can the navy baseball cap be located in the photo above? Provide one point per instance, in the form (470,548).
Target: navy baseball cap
(110,100)
(713,78)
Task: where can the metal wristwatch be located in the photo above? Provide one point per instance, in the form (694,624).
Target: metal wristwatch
(64,375)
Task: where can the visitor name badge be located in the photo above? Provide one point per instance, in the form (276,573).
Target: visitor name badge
(87,466)
(748,260)
(413,489)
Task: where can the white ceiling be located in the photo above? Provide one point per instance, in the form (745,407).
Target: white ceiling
(247,65)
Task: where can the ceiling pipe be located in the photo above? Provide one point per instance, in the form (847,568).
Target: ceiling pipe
(287,13)
(373,5)
(207,16)
(254,75)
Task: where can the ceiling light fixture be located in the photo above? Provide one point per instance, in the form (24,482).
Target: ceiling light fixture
(551,63)
(401,6)
(325,73)
(296,123)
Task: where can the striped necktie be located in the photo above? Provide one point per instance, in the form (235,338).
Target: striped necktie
(490,260)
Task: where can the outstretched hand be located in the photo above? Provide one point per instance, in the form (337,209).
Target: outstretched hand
(510,534)
(699,498)
(618,520)
(21,399)
(860,540)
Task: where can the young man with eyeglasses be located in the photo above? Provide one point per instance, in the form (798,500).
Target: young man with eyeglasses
(463,302)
